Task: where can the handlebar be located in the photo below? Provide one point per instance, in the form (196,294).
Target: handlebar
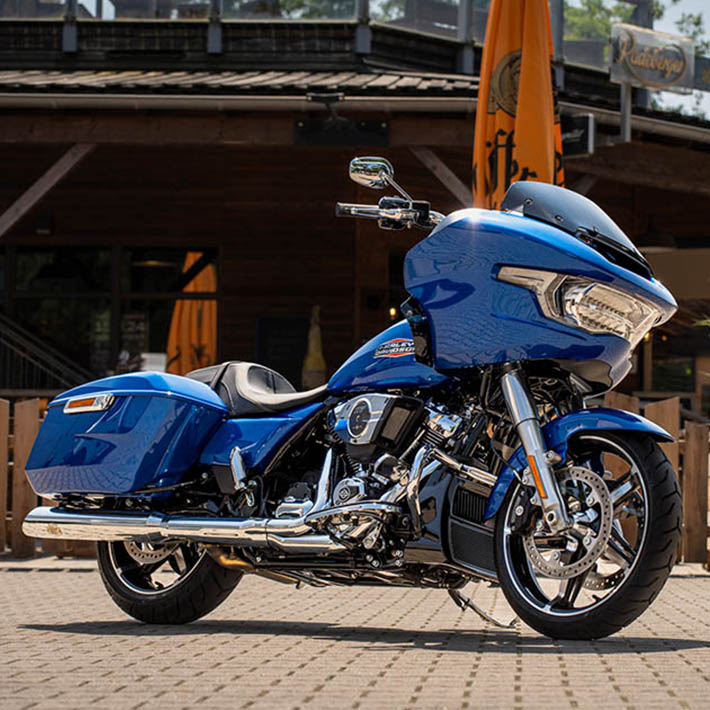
(393,213)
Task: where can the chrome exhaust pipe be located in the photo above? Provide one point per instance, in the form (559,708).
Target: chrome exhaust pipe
(287,534)
(283,534)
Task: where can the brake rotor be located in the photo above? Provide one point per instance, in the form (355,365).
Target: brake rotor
(147,554)
(599,582)
(597,499)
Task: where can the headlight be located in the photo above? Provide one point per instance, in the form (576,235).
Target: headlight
(586,304)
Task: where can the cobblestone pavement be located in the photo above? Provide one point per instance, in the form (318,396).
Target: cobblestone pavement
(65,645)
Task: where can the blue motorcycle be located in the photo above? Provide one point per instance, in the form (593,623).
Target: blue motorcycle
(455,446)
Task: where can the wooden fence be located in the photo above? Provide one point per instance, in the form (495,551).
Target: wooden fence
(688,454)
(17,434)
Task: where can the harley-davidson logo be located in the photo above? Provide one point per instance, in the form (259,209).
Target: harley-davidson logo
(395,348)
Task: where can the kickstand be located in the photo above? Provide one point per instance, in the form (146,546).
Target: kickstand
(463,602)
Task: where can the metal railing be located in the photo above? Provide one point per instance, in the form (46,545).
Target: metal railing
(462,20)
(29,365)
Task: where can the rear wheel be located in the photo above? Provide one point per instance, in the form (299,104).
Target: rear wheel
(171,583)
(597,577)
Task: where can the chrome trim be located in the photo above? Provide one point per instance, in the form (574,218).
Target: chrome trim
(477,475)
(287,534)
(323,492)
(524,416)
(421,468)
(280,533)
(100,403)
(377,404)
(376,510)
(239,475)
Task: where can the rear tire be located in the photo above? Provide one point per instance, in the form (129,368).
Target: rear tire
(199,584)
(657,539)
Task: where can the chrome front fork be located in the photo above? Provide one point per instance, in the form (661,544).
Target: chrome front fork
(540,460)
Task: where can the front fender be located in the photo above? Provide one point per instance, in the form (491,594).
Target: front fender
(559,431)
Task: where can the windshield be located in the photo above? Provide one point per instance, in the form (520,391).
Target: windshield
(570,211)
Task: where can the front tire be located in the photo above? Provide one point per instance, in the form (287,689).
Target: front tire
(164,584)
(632,568)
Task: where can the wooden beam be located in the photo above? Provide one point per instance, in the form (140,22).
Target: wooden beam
(256,128)
(26,422)
(444,174)
(648,164)
(41,187)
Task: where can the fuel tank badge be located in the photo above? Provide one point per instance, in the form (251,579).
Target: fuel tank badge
(395,348)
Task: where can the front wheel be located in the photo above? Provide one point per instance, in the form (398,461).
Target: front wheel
(171,583)
(597,577)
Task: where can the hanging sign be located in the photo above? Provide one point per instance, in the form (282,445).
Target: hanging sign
(653,60)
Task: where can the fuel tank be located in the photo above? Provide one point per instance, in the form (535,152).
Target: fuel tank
(384,362)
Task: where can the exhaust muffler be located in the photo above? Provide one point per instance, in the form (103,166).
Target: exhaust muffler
(285,534)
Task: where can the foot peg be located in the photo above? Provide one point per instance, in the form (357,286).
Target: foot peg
(463,602)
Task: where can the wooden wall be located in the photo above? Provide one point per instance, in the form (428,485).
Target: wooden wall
(269,210)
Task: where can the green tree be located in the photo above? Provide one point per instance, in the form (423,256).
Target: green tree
(592,19)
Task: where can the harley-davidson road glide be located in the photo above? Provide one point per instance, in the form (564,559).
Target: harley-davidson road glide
(455,446)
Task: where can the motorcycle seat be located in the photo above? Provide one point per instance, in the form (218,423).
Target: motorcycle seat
(250,389)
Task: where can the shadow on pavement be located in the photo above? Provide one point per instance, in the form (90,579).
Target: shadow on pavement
(455,640)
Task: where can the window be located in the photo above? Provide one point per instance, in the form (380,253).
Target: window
(115,310)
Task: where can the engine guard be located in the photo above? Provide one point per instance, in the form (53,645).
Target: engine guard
(557,435)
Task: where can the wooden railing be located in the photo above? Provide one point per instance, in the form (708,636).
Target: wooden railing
(688,454)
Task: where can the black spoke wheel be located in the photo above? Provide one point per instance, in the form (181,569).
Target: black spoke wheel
(601,574)
(169,583)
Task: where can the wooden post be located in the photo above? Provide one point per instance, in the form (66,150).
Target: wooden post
(4,460)
(695,492)
(23,497)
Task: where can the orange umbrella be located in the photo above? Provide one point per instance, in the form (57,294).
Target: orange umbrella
(517,133)
(192,342)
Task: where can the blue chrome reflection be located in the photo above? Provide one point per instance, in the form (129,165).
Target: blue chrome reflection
(363,371)
(477,320)
(148,383)
(139,441)
(558,433)
(259,439)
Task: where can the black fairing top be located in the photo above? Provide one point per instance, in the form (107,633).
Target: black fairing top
(577,215)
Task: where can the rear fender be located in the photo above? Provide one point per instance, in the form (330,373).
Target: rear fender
(558,434)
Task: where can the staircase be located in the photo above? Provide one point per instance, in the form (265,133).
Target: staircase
(31,368)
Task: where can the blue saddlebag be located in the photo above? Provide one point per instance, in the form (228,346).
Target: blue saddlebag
(150,435)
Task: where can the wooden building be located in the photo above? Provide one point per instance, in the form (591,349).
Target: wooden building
(126,144)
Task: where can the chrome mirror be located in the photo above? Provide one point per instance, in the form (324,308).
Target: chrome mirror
(371,172)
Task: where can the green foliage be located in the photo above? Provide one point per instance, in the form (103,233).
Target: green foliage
(693,25)
(593,18)
(298,9)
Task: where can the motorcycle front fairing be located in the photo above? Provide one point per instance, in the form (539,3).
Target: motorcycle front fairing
(475,319)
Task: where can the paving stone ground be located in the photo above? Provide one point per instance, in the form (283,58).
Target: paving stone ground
(65,645)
